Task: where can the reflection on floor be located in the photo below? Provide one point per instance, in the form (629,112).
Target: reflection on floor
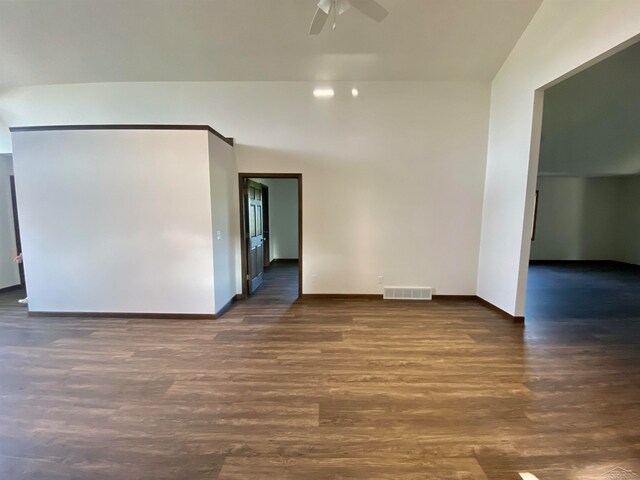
(318,389)
(280,284)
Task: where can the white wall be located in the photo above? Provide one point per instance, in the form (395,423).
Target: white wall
(628,230)
(563,35)
(9,275)
(283,217)
(392,180)
(116,220)
(582,218)
(577,218)
(225,220)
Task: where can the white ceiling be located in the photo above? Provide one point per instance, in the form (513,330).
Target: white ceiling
(590,121)
(77,41)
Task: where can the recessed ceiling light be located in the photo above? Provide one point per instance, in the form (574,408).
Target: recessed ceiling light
(354,92)
(323,92)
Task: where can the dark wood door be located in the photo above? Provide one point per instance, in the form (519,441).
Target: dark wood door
(255,237)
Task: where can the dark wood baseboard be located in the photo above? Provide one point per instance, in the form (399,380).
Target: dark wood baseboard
(568,262)
(342,296)
(162,316)
(584,263)
(550,262)
(285,260)
(11,288)
(439,298)
(227,306)
(454,297)
(497,309)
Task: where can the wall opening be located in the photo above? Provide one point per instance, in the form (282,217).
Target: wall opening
(271,235)
(583,259)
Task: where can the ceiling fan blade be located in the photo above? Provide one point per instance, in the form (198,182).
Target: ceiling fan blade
(370,8)
(342,6)
(325,5)
(319,19)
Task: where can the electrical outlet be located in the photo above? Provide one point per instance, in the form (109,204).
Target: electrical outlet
(380,279)
(314,278)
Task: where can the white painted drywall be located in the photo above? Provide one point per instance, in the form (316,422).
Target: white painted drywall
(116,220)
(393,180)
(628,229)
(225,220)
(9,275)
(283,217)
(577,218)
(563,36)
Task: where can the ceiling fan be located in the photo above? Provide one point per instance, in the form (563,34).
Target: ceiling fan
(327,8)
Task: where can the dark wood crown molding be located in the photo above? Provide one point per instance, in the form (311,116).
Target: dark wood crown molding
(44,128)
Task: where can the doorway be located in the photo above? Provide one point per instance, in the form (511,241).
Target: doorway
(584,257)
(271,233)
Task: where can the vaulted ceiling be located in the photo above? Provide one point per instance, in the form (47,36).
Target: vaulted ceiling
(590,123)
(78,41)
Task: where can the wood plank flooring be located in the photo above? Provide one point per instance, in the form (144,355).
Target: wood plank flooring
(318,389)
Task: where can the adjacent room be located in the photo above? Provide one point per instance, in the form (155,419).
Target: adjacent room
(585,249)
(319,239)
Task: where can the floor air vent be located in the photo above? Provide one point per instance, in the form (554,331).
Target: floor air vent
(407,293)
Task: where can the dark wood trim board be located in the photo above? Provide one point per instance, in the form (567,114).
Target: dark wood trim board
(228,305)
(165,316)
(10,288)
(45,128)
(535,217)
(580,262)
(497,309)
(225,308)
(342,296)
(437,298)
(16,225)
(454,297)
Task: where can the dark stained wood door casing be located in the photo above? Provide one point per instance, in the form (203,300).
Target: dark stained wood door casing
(255,235)
(265,227)
(16,225)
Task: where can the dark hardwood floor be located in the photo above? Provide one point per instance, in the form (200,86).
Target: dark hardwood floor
(318,389)
(583,290)
(280,285)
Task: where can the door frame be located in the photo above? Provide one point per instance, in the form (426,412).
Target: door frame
(266,239)
(16,226)
(243,229)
